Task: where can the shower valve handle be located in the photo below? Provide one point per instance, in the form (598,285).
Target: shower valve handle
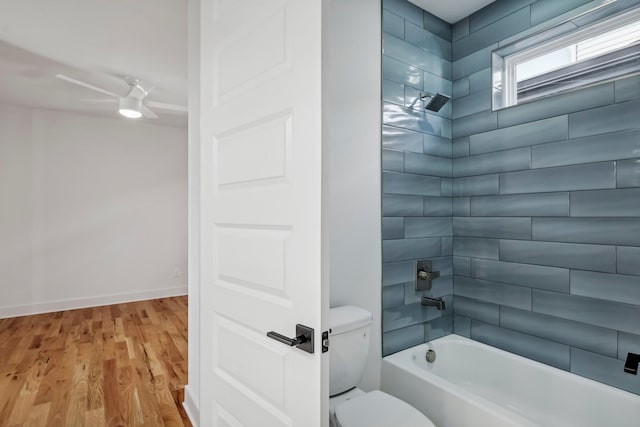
(428,275)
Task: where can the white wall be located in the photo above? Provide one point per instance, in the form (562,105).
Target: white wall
(351,126)
(192,389)
(92,210)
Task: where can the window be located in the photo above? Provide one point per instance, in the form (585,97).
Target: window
(589,50)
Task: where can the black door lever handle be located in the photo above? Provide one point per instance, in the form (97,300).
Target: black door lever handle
(286,340)
(302,341)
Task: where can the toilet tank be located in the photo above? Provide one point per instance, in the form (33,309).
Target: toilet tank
(349,346)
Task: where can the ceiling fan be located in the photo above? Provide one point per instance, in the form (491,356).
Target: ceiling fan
(133,105)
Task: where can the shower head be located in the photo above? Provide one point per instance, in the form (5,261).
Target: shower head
(436,101)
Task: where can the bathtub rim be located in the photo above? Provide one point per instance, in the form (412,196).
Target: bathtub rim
(402,355)
(474,399)
(408,361)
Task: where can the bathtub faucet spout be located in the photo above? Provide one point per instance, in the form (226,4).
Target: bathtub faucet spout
(433,302)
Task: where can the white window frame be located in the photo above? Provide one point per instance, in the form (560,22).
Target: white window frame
(506,59)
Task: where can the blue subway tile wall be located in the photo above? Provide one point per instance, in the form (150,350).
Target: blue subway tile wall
(627,343)
(628,260)
(410,184)
(523,135)
(476,185)
(416,227)
(437,206)
(570,102)
(473,103)
(460,146)
(475,248)
(529,275)
(460,29)
(480,80)
(462,265)
(532,347)
(531,213)
(557,254)
(546,207)
(417,165)
(494,12)
(437,26)
(436,145)
(462,326)
(473,309)
(541,204)
(627,89)
(427,40)
(483,121)
(425,164)
(607,119)
(461,206)
(499,161)
(565,178)
(494,292)
(402,338)
(628,173)
(503,228)
(606,231)
(606,203)
(492,33)
(438,328)
(402,139)
(597,148)
(604,120)
(576,334)
(392,160)
(543,10)
(461,87)
(614,287)
(608,370)
(472,63)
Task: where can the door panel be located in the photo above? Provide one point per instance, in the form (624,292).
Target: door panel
(261,211)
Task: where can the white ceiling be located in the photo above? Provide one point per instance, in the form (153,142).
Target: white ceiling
(453,10)
(100,41)
(97,41)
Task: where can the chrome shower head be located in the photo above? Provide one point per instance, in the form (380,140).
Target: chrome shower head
(436,102)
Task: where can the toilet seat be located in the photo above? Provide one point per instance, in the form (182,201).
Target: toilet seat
(379,409)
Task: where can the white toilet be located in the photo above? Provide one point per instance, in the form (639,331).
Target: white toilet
(349,406)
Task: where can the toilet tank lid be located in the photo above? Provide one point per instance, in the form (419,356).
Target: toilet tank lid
(348,318)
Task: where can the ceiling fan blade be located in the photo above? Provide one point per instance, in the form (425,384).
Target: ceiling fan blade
(147,113)
(166,106)
(86,85)
(100,101)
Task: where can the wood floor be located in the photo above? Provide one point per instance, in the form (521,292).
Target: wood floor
(118,365)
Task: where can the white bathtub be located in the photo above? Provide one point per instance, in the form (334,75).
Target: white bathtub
(471,384)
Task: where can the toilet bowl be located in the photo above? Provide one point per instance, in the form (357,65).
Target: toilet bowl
(374,409)
(350,406)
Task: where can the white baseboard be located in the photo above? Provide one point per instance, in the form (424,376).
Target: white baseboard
(71,304)
(191,406)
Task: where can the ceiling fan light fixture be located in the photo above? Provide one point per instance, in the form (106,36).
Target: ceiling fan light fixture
(133,105)
(130,107)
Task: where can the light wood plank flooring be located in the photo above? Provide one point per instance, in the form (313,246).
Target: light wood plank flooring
(117,365)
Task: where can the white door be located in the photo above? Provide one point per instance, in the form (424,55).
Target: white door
(261,212)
